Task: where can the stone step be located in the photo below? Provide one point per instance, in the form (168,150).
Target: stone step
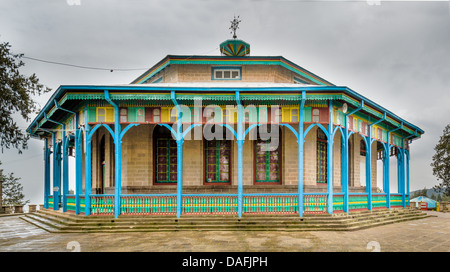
(71,223)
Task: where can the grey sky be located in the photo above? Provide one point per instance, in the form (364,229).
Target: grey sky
(396,53)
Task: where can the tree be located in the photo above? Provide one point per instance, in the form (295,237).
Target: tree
(441,162)
(12,191)
(16,96)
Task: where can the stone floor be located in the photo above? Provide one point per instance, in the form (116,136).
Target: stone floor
(425,235)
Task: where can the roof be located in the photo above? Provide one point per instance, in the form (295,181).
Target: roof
(431,202)
(227,60)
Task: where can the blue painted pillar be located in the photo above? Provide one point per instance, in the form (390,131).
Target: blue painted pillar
(401,169)
(56,175)
(117,156)
(179,176)
(387,183)
(87,168)
(369,168)
(240,143)
(300,142)
(407,176)
(345,173)
(46,172)
(179,140)
(65,166)
(330,159)
(78,169)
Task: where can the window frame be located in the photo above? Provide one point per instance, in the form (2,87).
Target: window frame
(224,69)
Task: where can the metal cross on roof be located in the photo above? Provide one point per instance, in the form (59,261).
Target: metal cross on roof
(234,26)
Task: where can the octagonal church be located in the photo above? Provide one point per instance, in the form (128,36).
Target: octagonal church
(226,134)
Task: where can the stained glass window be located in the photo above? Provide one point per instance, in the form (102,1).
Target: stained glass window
(321,157)
(217,161)
(267,162)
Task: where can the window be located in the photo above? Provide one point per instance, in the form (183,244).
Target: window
(316,115)
(362,148)
(217,161)
(123,115)
(140,115)
(321,157)
(233,73)
(101,115)
(104,114)
(225,116)
(267,163)
(294,115)
(275,113)
(165,156)
(156,115)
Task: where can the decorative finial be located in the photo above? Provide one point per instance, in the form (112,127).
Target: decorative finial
(234,26)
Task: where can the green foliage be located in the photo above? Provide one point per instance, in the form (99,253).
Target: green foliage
(16,91)
(441,162)
(12,190)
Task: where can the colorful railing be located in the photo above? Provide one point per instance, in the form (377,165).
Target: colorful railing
(71,203)
(215,204)
(270,203)
(148,204)
(102,204)
(357,201)
(315,203)
(50,201)
(338,202)
(378,201)
(396,200)
(228,203)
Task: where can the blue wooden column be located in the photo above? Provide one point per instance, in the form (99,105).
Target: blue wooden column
(65,167)
(387,189)
(240,143)
(401,174)
(46,172)
(78,166)
(330,159)
(117,155)
(56,173)
(369,162)
(179,140)
(407,175)
(300,142)
(87,166)
(345,162)
(65,163)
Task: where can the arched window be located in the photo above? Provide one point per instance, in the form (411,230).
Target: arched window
(321,157)
(362,148)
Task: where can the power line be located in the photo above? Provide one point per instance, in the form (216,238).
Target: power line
(84,67)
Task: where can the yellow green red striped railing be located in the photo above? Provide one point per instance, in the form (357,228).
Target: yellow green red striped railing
(215,204)
(270,203)
(148,204)
(102,204)
(315,203)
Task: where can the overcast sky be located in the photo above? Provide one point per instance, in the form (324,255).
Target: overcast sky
(395,53)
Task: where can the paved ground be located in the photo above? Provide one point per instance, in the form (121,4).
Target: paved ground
(429,234)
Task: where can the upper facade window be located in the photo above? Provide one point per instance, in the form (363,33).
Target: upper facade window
(227,73)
